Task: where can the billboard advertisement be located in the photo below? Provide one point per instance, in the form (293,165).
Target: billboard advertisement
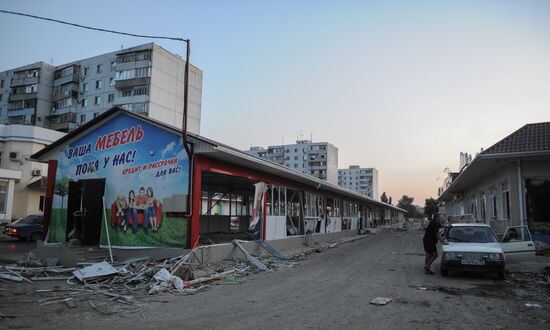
(142,171)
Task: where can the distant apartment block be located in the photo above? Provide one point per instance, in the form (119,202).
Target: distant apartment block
(319,159)
(360,179)
(145,79)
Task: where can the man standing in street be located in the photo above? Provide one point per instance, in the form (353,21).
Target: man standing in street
(431,237)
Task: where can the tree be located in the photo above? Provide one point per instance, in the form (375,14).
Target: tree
(384,198)
(406,203)
(62,188)
(431,207)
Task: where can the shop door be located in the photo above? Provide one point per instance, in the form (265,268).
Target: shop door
(91,211)
(74,201)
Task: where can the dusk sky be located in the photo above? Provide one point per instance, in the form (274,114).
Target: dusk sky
(403,86)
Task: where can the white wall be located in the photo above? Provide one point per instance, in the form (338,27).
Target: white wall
(275,227)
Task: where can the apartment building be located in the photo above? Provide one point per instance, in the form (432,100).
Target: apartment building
(145,79)
(363,180)
(319,159)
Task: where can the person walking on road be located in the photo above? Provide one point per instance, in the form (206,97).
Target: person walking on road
(431,237)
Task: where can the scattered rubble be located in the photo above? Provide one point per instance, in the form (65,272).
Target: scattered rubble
(124,282)
(380,301)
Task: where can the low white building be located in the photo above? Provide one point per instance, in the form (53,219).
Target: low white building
(507,184)
(22,182)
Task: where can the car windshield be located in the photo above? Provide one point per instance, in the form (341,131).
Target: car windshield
(470,235)
(32,219)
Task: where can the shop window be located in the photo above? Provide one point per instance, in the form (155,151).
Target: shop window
(3,195)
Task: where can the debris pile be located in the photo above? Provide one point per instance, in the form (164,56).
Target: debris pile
(122,282)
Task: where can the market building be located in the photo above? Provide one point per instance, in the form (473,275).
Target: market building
(132,183)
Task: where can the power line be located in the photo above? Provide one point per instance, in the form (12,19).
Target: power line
(91,27)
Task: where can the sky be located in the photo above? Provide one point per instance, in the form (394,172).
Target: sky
(402,86)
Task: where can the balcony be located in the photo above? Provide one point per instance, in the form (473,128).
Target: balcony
(22,97)
(128,83)
(133,65)
(62,122)
(20,120)
(71,78)
(73,93)
(24,81)
(21,112)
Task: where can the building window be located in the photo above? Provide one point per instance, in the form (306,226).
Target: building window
(494,207)
(113,65)
(111,81)
(142,72)
(98,68)
(84,103)
(126,93)
(0,97)
(86,71)
(505,201)
(96,114)
(2,83)
(0,158)
(85,87)
(97,100)
(3,195)
(111,98)
(98,84)
(82,118)
(482,207)
(141,90)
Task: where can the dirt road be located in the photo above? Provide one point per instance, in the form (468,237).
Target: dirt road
(329,290)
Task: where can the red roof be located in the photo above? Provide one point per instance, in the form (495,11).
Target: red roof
(529,138)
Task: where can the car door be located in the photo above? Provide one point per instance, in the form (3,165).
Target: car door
(517,244)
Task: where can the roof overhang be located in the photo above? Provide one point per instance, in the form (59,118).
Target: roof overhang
(484,165)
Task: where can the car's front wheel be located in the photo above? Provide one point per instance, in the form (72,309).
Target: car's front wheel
(500,275)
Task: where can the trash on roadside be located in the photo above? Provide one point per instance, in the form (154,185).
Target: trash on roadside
(533,305)
(11,277)
(95,271)
(380,301)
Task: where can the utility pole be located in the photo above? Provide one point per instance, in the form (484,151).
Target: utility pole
(186,94)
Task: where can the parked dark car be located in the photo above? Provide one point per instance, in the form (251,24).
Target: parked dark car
(30,227)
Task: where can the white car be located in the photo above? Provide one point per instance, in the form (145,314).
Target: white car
(474,247)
